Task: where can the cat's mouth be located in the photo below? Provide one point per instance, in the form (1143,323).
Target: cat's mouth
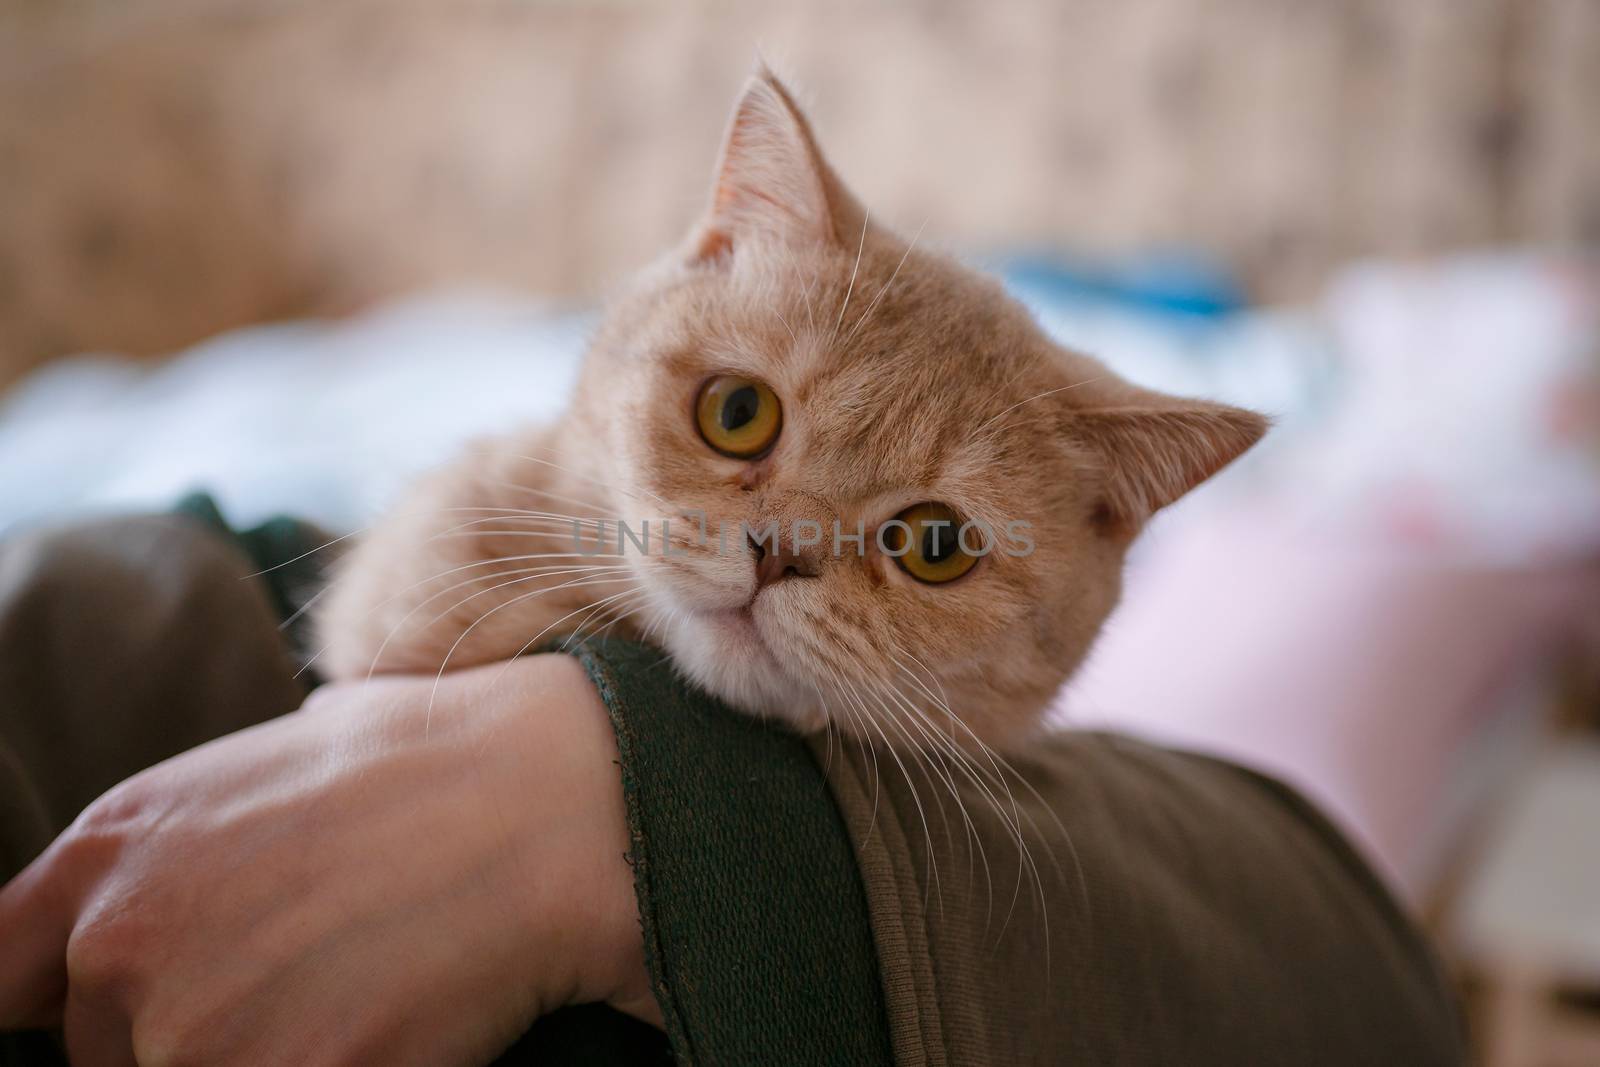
(738,627)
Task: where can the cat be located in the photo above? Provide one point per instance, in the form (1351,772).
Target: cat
(798,399)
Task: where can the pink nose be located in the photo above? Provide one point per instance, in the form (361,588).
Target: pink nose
(775,566)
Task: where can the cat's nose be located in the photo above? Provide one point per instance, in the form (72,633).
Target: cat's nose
(774,566)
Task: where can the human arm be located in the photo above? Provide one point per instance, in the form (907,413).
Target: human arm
(125,641)
(382,876)
(796,908)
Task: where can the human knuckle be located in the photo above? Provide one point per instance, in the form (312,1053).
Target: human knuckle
(175,1040)
(88,849)
(104,951)
(184,1026)
(116,811)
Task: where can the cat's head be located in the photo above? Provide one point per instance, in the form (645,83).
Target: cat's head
(797,364)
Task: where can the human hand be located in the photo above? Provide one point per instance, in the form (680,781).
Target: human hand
(360,881)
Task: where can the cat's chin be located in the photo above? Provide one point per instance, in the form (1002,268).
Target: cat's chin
(724,652)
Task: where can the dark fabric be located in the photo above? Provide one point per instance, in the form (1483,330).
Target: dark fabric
(1196,913)
(755,923)
(122,643)
(125,641)
(1168,909)
(291,559)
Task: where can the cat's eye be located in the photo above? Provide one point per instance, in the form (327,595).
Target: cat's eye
(739,417)
(927,543)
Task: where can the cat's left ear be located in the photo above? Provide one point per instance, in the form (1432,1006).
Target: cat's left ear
(1150,455)
(772,185)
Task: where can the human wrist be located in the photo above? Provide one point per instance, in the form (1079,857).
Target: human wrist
(575,885)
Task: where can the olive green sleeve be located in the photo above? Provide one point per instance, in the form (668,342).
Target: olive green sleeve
(755,919)
(1101,901)
(1098,901)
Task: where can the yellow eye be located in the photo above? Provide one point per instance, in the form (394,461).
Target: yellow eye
(925,539)
(739,417)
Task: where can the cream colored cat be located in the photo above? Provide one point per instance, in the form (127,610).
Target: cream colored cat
(795,364)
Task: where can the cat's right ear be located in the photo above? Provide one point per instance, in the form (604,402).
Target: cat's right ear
(772,184)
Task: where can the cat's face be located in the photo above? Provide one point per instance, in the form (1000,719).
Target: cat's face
(799,370)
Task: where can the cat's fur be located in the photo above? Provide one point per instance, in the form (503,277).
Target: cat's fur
(904,377)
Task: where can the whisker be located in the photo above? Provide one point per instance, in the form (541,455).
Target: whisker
(608,487)
(562,530)
(307,552)
(862,244)
(972,834)
(933,870)
(533,490)
(862,321)
(1001,764)
(925,755)
(496,560)
(1000,767)
(587,576)
(445,663)
(805,290)
(589,609)
(303,608)
(535,516)
(864,747)
(997,764)
(786,326)
(609,613)
(1031,399)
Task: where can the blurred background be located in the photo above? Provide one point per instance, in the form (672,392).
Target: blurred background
(293,251)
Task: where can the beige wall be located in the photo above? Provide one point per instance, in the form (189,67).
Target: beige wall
(169,168)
